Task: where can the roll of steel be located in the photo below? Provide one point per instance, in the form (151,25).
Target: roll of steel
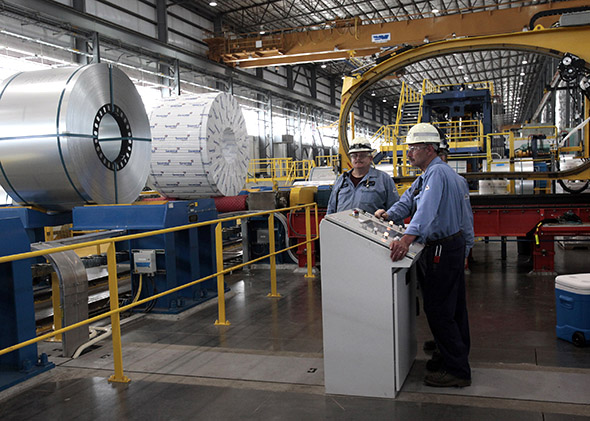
(73,136)
(200,147)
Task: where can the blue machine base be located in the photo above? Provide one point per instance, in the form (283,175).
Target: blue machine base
(181,256)
(567,332)
(11,378)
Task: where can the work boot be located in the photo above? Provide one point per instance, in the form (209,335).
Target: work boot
(434,363)
(429,345)
(445,379)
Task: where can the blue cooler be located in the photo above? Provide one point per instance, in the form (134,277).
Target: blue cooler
(572,303)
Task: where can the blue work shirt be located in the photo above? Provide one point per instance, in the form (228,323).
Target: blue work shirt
(375,191)
(440,198)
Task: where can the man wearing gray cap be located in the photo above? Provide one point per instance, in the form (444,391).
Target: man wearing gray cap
(362,187)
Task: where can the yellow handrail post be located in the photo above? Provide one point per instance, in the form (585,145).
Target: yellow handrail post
(317,222)
(57,310)
(512,184)
(119,376)
(273,261)
(489,153)
(308,242)
(220,278)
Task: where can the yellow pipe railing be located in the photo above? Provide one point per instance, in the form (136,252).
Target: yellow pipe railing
(327,161)
(221,321)
(278,169)
(115,310)
(273,261)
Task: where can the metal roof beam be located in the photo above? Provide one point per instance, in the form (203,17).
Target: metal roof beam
(90,24)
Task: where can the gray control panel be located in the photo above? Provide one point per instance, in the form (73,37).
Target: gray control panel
(375,229)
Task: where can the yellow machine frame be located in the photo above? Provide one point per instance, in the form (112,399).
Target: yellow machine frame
(551,42)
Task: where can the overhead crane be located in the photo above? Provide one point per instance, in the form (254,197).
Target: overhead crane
(346,38)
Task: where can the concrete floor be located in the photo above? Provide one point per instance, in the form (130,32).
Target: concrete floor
(268,363)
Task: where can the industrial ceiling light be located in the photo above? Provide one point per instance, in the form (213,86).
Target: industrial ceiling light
(435,11)
(460,67)
(525,62)
(426,40)
(212,3)
(323,66)
(384,100)
(522,73)
(372,93)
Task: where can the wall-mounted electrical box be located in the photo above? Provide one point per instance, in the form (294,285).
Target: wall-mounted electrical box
(144,261)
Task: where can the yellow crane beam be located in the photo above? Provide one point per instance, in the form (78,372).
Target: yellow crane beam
(345,38)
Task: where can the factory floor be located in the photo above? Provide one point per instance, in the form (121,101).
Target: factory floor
(268,363)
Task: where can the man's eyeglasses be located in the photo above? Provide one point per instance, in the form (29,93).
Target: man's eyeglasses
(359,155)
(415,148)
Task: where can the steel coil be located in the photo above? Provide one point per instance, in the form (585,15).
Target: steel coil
(200,147)
(73,136)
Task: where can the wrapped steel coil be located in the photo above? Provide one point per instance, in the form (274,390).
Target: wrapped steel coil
(200,147)
(73,136)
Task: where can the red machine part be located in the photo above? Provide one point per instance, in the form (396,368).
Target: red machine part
(296,230)
(230,203)
(488,221)
(544,249)
(518,221)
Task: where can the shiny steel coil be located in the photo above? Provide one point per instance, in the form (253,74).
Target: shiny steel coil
(199,148)
(73,136)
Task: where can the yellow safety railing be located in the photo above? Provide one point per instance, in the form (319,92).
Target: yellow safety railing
(489,85)
(464,133)
(428,87)
(115,310)
(269,169)
(389,136)
(490,160)
(327,161)
(461,134)
(274,170)
(514,158)
(300,170)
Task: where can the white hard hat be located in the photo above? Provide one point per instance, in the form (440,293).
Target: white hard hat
(361,144)
(423,133)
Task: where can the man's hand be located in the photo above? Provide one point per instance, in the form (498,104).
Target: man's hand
(381,213)
(399,247)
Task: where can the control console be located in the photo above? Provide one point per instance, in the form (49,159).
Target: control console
(375,229)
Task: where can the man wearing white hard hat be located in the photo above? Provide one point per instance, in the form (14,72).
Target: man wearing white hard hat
(363,186)
(438,201)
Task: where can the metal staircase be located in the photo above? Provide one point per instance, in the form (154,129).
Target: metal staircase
(409,111)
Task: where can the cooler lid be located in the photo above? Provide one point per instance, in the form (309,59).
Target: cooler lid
(578,283)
